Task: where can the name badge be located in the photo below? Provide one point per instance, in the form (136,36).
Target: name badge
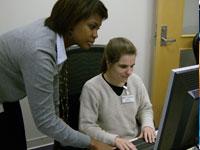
(1,108)
(128,99)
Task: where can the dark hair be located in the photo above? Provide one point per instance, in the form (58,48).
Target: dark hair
(115,48)
(67,13)
(195,46)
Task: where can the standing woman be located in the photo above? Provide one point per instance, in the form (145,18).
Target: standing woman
(30,60)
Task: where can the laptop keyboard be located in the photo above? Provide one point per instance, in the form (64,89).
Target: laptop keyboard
(142,145)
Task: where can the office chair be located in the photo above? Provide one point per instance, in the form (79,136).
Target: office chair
(81,65)
(195,47)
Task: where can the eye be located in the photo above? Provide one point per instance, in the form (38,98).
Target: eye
(123,66)
(126,66)
(132,65)
(93,26)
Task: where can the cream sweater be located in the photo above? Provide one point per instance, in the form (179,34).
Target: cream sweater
(103,116)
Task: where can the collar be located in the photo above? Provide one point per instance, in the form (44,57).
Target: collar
(61,52)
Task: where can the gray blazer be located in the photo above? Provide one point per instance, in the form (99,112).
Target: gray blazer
(28,68)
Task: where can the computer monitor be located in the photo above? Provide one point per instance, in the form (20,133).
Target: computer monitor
(178,127)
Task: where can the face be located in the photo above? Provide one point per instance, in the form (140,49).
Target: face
(85,32)
(121,70)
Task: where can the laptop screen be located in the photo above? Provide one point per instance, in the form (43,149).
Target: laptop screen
(179,123)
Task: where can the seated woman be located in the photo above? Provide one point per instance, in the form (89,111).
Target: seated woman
(114,101)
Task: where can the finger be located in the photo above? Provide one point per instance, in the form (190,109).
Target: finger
(146,137)
(153,134)
(131,146)
(141,135)
(150,138)
(125,146)
(134,147)
(120,147)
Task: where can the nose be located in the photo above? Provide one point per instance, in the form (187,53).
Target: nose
(95,34)
(129,71)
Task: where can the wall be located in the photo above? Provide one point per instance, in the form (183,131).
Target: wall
(128,18)
(134,20)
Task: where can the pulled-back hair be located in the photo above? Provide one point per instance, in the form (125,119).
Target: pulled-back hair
(67,13)
(115,48)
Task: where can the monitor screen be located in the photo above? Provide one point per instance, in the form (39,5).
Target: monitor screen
(178,127)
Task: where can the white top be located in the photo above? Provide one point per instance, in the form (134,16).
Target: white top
(105,115)
(61,52)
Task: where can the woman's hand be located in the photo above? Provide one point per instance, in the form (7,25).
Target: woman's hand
(148,134)
(124,144)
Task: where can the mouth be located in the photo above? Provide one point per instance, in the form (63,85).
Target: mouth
(125,78)
(90,43)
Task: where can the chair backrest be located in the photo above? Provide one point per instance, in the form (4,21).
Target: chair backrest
(195,46)
(81,65)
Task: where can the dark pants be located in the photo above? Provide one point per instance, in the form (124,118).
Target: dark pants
(12,133)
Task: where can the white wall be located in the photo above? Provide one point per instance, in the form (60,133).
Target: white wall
(14,13)
(133,19)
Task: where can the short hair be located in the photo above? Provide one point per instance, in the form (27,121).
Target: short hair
(115,48)
(67,13)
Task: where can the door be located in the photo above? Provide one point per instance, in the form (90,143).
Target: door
(170,17)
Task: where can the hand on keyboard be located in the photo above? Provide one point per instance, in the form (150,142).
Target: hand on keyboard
(123,144)
(148,134)
(142,145)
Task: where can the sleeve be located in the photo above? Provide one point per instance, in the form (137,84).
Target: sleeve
(39,71)
(145,112)
(88,117)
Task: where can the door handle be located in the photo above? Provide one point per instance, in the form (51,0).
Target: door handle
(168,40)
(163,39)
